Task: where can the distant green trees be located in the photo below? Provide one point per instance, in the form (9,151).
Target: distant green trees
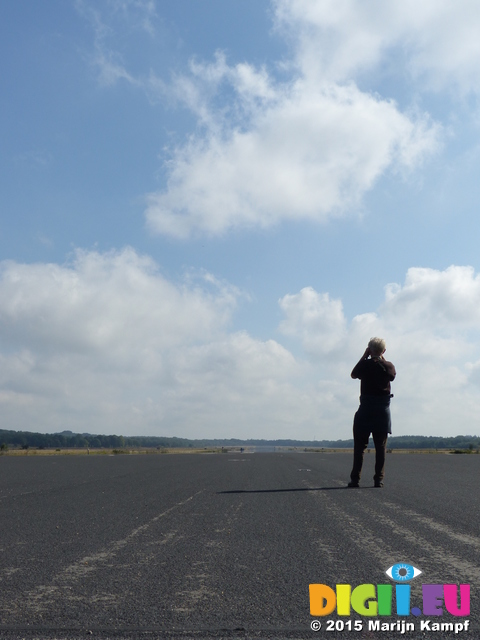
(414,442)
(69,440)
(433,442)
(26,439)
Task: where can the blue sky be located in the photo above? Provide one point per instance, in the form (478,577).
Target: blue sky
(208,208)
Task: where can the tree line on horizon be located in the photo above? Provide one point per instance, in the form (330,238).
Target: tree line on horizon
(70,440)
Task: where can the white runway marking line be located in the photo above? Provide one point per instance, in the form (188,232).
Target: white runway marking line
(459,566)
(17,495)
(464,538)
(366,538)
(361,540)
(43,596)
(359,536)
(197,590)
(472,541)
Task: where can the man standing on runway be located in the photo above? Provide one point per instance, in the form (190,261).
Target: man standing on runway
(373,415)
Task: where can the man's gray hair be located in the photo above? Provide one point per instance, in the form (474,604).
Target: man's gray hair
(377,346)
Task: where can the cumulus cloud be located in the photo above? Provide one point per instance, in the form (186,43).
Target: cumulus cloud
(430,324)
(316,319)
(311,146)
(101,302)
(435,41)
(107,344)
(311,154)
(309,141)
(302,149)
(447,299)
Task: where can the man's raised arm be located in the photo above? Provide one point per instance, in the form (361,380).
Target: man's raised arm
(355,373)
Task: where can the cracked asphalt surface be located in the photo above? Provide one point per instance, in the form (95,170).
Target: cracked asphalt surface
(224,545)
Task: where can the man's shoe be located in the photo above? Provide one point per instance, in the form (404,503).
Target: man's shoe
(353,485)
(378,485)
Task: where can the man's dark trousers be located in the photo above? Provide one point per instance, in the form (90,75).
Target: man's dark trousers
(360,440)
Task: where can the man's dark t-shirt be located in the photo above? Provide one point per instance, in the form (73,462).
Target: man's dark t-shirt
(375,375)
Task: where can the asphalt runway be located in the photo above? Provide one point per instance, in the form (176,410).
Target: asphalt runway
(225,545)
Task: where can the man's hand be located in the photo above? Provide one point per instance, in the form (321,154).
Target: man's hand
(367,353)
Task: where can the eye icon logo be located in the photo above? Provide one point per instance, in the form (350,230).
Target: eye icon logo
(402,572)
(378,600)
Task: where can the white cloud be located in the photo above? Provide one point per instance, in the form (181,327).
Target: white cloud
(430,324)
(103,302)
(107,344)
(435,40)
(316,319)
(310,147)
(306,148)
(306,152)
(447,299)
